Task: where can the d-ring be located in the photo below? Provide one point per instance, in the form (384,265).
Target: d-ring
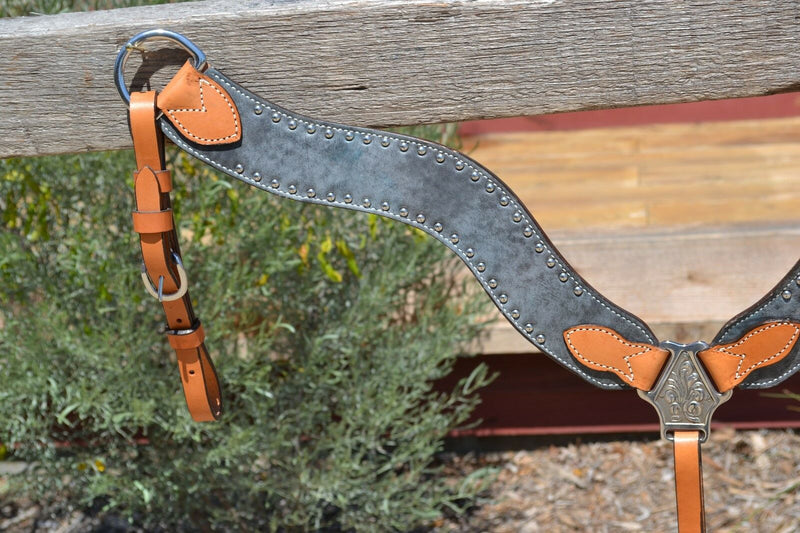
(183,283)
(198,56)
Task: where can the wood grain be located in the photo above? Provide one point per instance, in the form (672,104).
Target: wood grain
(402,61)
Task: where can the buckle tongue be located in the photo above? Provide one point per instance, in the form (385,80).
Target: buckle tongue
(684,396)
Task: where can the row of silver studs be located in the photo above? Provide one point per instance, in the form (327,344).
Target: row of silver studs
(469,252)
(440,158)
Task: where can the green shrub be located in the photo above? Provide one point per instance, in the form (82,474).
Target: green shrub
(327,328)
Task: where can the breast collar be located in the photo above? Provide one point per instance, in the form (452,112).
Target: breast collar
(471,211)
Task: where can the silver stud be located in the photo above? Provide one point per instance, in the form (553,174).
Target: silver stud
(529,327)
(517,216)
(311,193)
(330,197)
(403,212)
(438,227)
(292,124)
(798,282)
(403,146)
(490,187)
(577,291)
(276,117)
(422,150)
(385,206)
(258,110)
(292,189)
(786,295)
(274,183)
(504,201)
(539,247)
(311,129)
(515,314)
(475,175)
(481,266)
(503,298)
(365,202)
(563,277)
(469,252)
(460,165)
(349,136)
(551,262)
(238,168)
(385,142)
(528,231)
(329,133)
(492,283)
(420,218)
(348,198)
(540,338)
(439,157)
(256,176)
(367,139)
(454,238)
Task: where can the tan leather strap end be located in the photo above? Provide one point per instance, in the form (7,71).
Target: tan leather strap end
(689,482)
(730,364)
(601,348)
(152,221)
(198,376)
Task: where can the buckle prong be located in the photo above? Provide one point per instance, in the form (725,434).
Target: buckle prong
(183,283)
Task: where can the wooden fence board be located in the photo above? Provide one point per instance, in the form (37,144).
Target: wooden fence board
(393,62)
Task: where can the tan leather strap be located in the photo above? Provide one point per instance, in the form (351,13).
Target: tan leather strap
(153,220)
(689,482)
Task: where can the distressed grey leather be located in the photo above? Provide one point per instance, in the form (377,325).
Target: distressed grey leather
(424,185)
(781,303)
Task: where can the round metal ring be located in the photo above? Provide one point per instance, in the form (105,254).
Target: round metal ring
(183,283)
(198,56)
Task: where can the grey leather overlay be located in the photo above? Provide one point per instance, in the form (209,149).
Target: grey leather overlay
(430,187)
(781,303)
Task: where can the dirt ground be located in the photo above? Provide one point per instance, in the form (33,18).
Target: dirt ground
(752,484)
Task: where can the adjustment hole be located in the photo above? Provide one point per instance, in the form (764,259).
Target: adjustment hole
(191,372)
(179,321)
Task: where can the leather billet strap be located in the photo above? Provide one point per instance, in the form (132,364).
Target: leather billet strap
(153,220)
(689,481)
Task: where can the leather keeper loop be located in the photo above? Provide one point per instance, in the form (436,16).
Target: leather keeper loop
(164,178)
(186,341)
(152,221)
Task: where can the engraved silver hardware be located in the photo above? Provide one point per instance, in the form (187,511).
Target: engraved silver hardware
(684,396)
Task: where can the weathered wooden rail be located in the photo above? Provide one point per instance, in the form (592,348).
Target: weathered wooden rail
(397,62)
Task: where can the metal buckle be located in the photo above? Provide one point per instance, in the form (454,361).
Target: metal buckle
(183,283)
(684,396)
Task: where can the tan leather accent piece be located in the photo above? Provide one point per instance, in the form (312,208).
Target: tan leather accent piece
(189,340)
(730,364)
(602,348)
(154,214)
(689,482)
(152,221)
(200,108)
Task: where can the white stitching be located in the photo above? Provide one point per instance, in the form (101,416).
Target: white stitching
(411,222)
(613,334)
(742,357)
(204,109)
(467,165)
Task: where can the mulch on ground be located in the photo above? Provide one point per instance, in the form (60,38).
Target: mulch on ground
(752,483)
